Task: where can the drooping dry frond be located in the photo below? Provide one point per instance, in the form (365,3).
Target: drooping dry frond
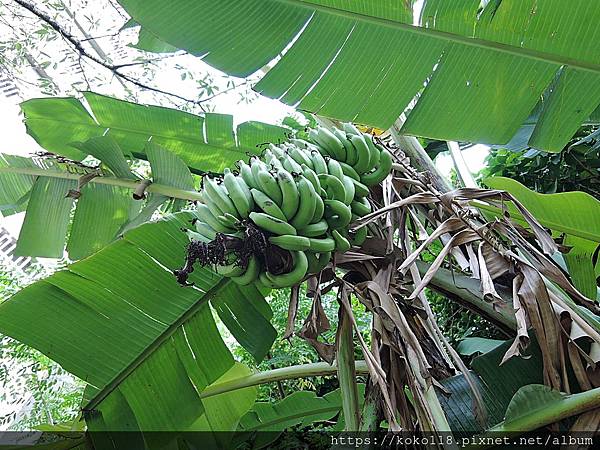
(408,348)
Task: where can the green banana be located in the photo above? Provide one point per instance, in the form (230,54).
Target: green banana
(333,186)
(350,153)
(269,186)
(349,171)
(267,155)
(207,200)
(312,177)
(218,194)
(313,135)
(251,273)
(275,163)
(337,213)
(350,129)
(363,152)
(341,243)
(374,151)
(266,282)
(290,165)
(301,143)
(194,236)
(360,189)
(256,165)
(300,264)
(314,229)
(246,174)
(300,156)
(246,190)
(307,206)
(229,220)
(205,215)
(205,230)
(289,193)
(317,263)
(264,202)
(290,242)
(334,168)
(278,152)
(350,190)
(229,270)
(272,224)
(302,194)
(327,140)
(319,245)
(385,166)
(319,210)
(237,194)
(360,208)
(319,164)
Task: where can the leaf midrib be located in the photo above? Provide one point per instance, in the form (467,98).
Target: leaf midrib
(451,37)
(154,345)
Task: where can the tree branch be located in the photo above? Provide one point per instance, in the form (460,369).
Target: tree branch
(77,45)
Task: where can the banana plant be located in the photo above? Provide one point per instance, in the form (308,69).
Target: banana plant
(138,268)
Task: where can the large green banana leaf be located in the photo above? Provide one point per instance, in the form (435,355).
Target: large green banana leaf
(101,210)
(145,345)
(147,41)
(515,398)
(206,143)
(172,141)
(576,215)
(478,74)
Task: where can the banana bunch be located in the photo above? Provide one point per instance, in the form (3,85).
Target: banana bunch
(301,195)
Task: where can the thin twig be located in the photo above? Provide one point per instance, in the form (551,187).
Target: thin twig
(77,45)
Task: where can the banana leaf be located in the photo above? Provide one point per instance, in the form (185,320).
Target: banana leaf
(477,74)
(205,143)
(145,346)
(103,203)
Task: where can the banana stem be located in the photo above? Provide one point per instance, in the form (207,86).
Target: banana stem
(347,373)
(162,189)
(418,156)
(285,373)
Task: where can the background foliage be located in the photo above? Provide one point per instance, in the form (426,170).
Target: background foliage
(576,168)
(34,389)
